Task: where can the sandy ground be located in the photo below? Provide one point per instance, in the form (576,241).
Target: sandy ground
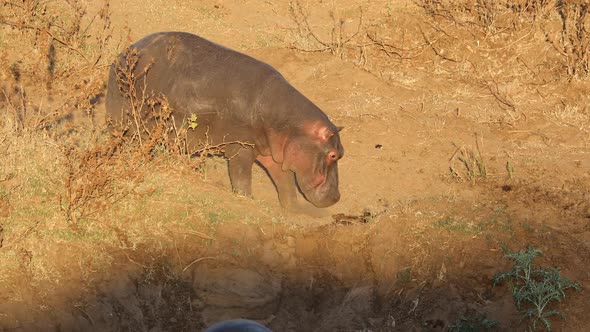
(432,242)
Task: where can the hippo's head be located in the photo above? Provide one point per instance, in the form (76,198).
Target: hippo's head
(313,154)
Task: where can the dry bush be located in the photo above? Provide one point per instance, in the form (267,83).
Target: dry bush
(49,96)
(65,51)
(488,16)
(53,92)
(482,14)
(564,24)
(574,43)
(337,40)
(519,51)
(534,8)
(95,179)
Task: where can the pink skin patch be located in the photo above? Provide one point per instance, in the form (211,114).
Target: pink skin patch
(318,130)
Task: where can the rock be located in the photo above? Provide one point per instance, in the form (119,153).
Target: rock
(232,292)
(352,313)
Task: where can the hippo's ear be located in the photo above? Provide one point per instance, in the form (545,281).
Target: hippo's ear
(317,130)
(339,129)
(323,133)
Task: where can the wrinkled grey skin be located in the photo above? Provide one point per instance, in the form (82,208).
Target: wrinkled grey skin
(238,325)
(238,98)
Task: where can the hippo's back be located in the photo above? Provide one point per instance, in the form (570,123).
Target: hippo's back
(196,75)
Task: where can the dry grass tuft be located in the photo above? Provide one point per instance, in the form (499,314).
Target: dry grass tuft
(573,115)
(471,160)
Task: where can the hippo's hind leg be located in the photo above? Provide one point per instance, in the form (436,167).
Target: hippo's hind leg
(284,181)
(240,161)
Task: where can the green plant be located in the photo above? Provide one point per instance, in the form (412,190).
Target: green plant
(192,121)
(534,289)
(458,225)
(510,169)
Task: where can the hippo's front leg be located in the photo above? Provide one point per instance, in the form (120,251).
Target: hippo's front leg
(240,161)
(284,181)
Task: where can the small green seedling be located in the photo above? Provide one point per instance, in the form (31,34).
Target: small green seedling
(510,170)
(534,289)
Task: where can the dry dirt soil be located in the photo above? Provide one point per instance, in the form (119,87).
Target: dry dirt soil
(413,244)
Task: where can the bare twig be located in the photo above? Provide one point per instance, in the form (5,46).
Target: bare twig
(390,49)
(20,237)
(87,315)
(197,233)
(437,52)
(495,91)
(196,261)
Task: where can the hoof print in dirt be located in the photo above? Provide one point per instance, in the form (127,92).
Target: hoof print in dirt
(230,292)
(346,219)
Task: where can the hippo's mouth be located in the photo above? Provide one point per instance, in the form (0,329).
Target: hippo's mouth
(322,193)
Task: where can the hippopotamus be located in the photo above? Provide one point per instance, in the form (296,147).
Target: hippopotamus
(237,98)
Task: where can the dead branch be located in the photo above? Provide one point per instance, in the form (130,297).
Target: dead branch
(390,49)
(431,44)
(495,91)
(338,38)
